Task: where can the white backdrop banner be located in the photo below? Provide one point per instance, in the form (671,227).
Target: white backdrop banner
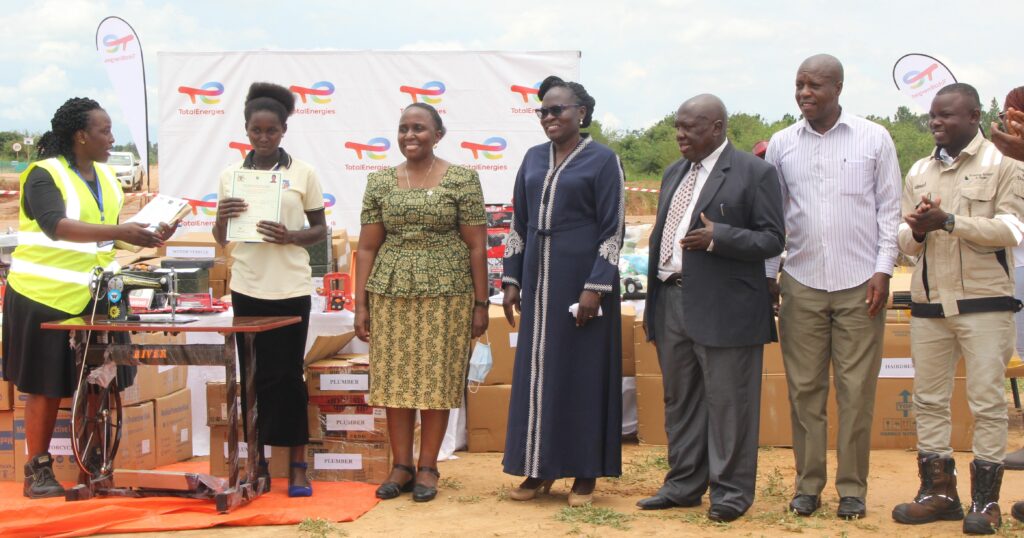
(121,53)
(346,116)
(920,77)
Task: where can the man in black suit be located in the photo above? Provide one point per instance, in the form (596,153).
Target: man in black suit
(709,311)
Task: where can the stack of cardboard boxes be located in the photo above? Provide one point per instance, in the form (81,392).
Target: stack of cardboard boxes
(200,251)
(156,426)
(893,426)
(348,438)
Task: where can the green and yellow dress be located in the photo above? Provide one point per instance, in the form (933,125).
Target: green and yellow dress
(421,289)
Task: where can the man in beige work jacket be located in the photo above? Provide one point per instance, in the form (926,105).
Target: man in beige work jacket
(962,208)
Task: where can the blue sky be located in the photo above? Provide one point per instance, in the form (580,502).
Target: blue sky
(639,60)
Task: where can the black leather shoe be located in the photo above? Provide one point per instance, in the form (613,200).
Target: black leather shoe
(657,502)
(804,505)
(390,490)
(421,493)
(851,508)
(721,513)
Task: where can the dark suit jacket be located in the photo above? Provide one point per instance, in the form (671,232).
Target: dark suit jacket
(726,302)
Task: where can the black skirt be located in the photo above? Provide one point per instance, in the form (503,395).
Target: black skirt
(281,395)
(36,361)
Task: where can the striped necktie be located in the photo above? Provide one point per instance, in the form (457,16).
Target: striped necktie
(676,210)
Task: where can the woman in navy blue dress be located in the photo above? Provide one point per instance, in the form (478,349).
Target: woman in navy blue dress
(565,416)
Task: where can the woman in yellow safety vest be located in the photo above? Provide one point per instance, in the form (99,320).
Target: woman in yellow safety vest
(67,223)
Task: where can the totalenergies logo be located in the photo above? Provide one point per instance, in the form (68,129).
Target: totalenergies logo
(207,205)
(916,79)
(242,147)
(207,93)
(491,148)
(329,201)
(375,148)
(318,92)
(112,42)
(431,92)
(527,91)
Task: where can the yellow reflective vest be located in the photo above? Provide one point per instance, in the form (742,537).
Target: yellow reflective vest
(57,273)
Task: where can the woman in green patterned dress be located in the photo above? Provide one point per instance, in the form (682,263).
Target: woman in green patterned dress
(421,294)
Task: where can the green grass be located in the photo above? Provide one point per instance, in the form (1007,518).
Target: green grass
(468,499)
(450,483)
(603,517)
(320,528)
(773,485)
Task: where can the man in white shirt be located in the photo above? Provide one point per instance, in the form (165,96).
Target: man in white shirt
(840,191)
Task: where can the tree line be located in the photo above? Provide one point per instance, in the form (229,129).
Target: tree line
(645,153)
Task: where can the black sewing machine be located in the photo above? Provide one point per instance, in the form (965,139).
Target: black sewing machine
(112,291)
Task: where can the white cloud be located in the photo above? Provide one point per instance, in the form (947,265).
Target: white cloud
(610,122)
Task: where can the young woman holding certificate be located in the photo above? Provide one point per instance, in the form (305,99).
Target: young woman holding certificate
(421,294)
(67,224)
(272,277)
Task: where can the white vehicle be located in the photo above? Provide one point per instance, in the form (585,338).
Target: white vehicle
(128,169)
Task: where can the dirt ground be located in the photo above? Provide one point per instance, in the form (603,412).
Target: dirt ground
(473,501)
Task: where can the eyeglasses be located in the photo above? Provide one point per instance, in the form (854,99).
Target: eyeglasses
(555,110)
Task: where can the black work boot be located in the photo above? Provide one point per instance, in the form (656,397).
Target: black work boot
(39,480)
(937,498)
(984,517)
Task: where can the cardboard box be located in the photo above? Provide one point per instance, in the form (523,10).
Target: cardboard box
(895,424)
(776,428)
(771,362)
(65,467)
(328,346)
(173,415)
(7,470)
(349,422)
(650,410)
(192,245)
(137,449)
(340,249)
(628,322)
(217,403)
(6,396)
(487,418)
(343,379)
(277,457)
(645,357)
(152,382)
(503,341)
(333,460)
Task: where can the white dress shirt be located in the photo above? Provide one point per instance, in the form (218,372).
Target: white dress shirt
(841,198)
(706,166)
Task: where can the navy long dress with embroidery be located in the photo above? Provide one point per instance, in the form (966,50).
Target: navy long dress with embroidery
(565,416)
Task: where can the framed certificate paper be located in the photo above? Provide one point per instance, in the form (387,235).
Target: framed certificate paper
(261,190)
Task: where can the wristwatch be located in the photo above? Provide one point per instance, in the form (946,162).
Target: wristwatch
(949,223)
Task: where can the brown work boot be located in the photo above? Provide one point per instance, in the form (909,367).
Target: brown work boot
(984,517)
(39,479)
(937,498)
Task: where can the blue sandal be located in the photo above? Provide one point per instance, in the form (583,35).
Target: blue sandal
(300,491)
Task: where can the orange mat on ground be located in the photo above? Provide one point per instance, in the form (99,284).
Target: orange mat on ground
(19,516)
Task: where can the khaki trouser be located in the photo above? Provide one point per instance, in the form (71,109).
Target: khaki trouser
(987,342)
(818,328)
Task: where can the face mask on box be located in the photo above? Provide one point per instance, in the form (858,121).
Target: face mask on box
(479,365)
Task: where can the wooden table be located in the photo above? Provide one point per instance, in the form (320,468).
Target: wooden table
(239,488)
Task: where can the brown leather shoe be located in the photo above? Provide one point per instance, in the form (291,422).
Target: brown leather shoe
(984,516)
(936,498)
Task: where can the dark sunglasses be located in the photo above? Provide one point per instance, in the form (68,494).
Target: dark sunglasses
(555,110)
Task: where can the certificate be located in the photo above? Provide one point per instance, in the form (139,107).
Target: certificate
(261,190)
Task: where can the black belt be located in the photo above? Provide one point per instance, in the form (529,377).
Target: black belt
(968,306)
(675,279)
